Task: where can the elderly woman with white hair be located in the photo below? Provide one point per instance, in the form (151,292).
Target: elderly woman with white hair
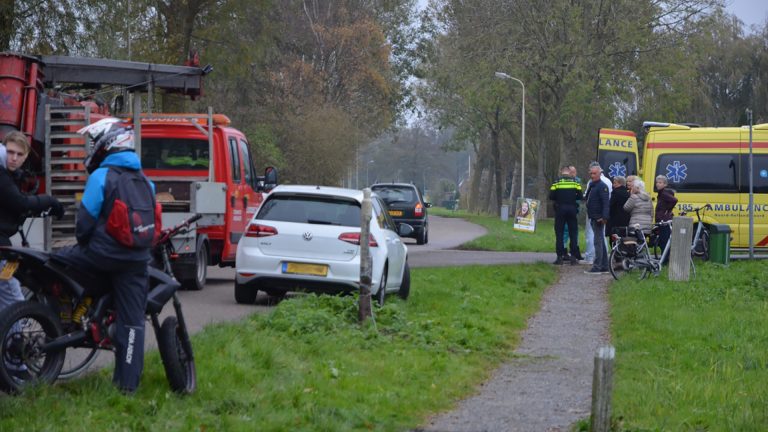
(639,206)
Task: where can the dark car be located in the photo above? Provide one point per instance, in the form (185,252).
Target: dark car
(406,205)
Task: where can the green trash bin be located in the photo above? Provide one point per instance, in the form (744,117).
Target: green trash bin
(720,243)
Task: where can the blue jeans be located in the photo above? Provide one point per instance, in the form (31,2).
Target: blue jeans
(10,293)
(601,253)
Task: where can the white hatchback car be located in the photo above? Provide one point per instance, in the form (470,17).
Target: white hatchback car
(306,238)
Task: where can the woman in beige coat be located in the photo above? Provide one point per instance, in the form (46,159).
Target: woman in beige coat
(639,207)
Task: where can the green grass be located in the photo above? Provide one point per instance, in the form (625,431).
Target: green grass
(308,366)
(501,236)
(693,356)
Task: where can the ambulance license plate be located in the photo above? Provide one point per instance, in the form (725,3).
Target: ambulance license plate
(305,269)
(8,270)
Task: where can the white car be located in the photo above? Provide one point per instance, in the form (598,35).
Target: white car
(306,238)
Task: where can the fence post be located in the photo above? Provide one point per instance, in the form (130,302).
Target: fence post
(680,249)
(364,303)
(602,387)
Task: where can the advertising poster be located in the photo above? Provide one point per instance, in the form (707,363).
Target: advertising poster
(525,214)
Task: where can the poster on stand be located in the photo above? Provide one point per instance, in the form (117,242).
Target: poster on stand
(525,214)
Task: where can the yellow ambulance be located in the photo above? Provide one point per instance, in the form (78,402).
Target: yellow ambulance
(703,165)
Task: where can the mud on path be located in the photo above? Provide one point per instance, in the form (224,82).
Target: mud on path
(547,386)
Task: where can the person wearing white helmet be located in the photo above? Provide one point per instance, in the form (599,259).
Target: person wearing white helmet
(116,224)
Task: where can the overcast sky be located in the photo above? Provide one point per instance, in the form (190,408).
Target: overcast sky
(751,12)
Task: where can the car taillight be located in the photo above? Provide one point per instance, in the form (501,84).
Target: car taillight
(419,210)
(354,238)
(256,230)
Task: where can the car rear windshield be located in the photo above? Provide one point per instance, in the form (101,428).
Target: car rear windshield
(311,209)
(397,194)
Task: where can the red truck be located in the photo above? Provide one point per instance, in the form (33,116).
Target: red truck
(198,162)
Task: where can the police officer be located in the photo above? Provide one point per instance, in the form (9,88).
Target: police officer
(98,251)
(565,194)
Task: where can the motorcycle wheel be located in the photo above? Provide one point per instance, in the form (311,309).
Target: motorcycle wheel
(178,363)
(24,328)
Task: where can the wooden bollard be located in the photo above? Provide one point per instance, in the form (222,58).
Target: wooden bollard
(364,303)
(602,387)
(680,248)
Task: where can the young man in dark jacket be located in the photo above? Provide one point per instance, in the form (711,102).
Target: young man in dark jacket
(598,211)
(565,193)
(15,208)
(98,250)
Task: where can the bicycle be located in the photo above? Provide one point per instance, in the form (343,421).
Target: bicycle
(632,252)
(700,242)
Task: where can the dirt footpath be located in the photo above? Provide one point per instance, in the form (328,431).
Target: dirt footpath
(548,386)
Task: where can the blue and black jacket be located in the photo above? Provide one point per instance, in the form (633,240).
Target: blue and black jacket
(598,201)
(96,205)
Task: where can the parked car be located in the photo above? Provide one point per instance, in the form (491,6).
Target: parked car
(406,205)
(306,238)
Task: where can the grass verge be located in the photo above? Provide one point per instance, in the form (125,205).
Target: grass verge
(308,365)
(501,236)
(693,356)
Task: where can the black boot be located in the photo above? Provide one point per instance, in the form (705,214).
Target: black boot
(558,261)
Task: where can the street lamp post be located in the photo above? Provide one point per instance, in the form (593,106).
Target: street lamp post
(367,171)
(502,75)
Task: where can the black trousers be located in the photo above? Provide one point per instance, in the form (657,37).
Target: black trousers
(566,215)
(130,283)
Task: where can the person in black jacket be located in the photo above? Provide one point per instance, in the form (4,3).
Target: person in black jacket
(565,193)
(618,217)
(15,208)
(598,212)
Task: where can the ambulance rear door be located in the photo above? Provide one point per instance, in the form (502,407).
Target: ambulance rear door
(617,152)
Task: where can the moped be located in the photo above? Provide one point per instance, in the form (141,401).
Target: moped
(69,311)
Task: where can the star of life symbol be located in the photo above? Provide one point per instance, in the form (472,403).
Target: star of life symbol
(617,169)
(677,172)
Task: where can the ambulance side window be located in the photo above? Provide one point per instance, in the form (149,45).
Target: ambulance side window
(234,160)
(759,173)
(700,172)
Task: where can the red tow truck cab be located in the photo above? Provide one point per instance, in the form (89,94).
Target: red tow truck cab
(178,156)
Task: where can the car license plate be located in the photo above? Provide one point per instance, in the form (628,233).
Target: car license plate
(8,270)
(307,269)
(395,213)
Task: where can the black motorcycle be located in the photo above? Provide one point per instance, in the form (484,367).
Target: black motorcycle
(70,313)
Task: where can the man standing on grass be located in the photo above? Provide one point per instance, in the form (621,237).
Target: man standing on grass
(598,208)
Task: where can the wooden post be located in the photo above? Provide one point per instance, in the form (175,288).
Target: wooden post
(680,249)
(602,387)
(364,304)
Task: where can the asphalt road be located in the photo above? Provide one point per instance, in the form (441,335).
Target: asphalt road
(216,302)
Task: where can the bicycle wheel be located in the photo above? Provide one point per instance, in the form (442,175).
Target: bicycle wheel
(621,265)
(701,246)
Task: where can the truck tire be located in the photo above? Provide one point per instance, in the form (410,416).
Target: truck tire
(200,268)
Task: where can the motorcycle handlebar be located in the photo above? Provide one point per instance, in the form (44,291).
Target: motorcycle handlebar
(169,233)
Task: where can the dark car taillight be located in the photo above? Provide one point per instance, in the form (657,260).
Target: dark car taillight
(257,230)
(419,210)
(354,238)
